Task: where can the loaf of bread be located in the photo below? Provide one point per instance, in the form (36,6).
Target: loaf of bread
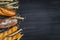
(4,11)
(8,32)
(16,36)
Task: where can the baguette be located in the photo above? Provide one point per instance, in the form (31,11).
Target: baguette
(8,32)
(7,11)
(9,22)
(18,35)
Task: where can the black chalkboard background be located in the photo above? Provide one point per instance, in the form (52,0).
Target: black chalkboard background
(42,19)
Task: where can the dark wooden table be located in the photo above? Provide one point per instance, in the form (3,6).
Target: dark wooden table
(42,19)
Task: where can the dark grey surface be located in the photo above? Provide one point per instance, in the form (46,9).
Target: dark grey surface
(42,19)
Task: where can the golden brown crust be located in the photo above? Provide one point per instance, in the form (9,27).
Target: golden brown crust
(18,35)
(8,32)
(7,11)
